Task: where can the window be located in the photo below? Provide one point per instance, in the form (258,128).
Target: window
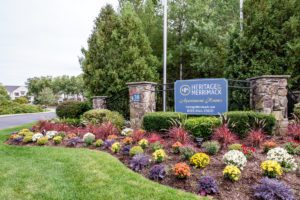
(23,93)
(17,94)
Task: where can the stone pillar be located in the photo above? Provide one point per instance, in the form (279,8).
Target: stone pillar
(99,102)
(269,95)
(142,100)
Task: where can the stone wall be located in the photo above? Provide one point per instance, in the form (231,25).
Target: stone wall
(99,102)
(269,95)
(142,100)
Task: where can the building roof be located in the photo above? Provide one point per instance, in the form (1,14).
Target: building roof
(11,88)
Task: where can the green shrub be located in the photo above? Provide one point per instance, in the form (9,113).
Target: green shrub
(297,110)
(57,139)
(89,138)
(10,107)
(70,121)
(98,116)
(42,141)
(186,152)
(240,122)
(202,126)
(292,148)
(157,121)
(156,145)
(99,143)
(28,138)
(21,100)
(136,150)
(235,146)
(72,109)
(211,147)
(61,134)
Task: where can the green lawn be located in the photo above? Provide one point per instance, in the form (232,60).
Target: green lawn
(65,173)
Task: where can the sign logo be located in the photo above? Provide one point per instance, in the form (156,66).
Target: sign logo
(185,90)
(201,96)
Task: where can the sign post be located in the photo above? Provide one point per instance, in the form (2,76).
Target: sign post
(201,96)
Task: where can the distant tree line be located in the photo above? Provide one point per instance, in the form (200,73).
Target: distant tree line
(204,40)
(46,89)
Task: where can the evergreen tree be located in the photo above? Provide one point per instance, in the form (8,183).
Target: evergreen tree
(118,52)
(270,41)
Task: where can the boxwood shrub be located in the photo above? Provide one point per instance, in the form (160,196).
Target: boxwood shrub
(98,116)
(157,121)
(240,122)
(72,109)
(202,126)
(297,110)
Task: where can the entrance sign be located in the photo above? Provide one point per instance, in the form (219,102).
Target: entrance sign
(201,96)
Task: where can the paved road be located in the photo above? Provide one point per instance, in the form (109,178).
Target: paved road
(15,120)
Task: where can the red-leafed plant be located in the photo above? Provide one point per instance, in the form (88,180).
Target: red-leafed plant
(179,134)
(138,134)
(223,135)
(153,138)
(104,130)
(256,137)
(294,131)
(248,151)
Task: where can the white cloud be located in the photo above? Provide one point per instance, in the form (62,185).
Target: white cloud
(44,37)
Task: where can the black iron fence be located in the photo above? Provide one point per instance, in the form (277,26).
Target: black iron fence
(119,102)
(292,100)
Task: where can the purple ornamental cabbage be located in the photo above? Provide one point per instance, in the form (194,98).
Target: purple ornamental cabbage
(107,143)
(18,139)
(207,185)
(272,189)
(73,141)
(139,161)
(125,149)
(157,172)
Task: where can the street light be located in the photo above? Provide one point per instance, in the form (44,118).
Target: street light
(165,56)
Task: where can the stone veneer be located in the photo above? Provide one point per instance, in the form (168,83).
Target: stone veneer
(99,102)
(141,100)
(269,95)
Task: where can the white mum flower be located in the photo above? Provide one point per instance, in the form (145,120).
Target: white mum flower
(236,158)
(37,136)
(127,131)
(51,134)
(280,155)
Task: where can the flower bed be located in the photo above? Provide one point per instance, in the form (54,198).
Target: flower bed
(228,173)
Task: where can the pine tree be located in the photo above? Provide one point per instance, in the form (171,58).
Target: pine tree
(118,52)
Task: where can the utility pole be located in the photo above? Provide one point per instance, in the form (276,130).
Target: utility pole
(165,56)
(241,15)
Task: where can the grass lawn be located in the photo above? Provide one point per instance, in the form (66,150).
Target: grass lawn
(65,173)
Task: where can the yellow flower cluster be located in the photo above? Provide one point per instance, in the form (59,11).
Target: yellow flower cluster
(159,155)
(115,147)
(271,168)
(200,160)
(143,143)
(232,173)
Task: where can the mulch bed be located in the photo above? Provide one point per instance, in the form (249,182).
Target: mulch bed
(228,190)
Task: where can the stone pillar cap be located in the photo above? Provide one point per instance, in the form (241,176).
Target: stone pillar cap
(141,83)
(269,76)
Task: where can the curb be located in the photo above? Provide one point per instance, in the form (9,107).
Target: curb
(11,115)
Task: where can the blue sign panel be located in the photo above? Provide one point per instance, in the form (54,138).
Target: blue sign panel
(201,96)
(136,97)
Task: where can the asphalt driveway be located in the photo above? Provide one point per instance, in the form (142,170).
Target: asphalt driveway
(16,120)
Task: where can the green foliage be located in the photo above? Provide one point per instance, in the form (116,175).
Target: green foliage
(269,43)
(70,121)
(156,146)
(157,121)
(118,52)
(98,116)
(211,147)
(57,139)
(292,148)
(99,143)
(21,100)
(297,110)
(46,97)
(72,109)
(116,147)
(10,107)
(186,152)
(202,126)
(28,138)
(235,147)
(89,138)
(240,122)
(42,141)
(136,150)
(3,93)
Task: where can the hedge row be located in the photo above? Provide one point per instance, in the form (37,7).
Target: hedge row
(11,107)
(72,109)
(240,122)
(159,121)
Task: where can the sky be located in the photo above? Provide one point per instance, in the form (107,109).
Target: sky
(44,37)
